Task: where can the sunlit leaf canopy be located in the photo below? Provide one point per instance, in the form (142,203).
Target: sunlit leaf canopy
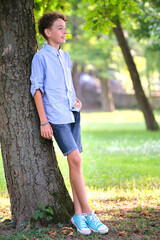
(146,23)
(102,15)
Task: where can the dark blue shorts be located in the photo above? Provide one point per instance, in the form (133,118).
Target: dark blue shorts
(68,136)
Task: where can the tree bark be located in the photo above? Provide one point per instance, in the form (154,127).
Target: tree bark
(107,101)
(30,164)
(140,95)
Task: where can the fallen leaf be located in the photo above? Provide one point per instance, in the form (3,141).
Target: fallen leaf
(67,228)
(52,233)
(122,233)
(70,234)
(63,231)
(145,212)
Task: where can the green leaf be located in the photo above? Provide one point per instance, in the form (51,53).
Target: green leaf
(114,2)
(41,215)
(37,213)
(60,225)
(49,210)
(48,218)
(37,6)
(40,206)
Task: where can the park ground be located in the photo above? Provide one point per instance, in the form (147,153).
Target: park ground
(122,173)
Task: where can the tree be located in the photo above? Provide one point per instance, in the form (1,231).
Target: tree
(140,95)
(103,16)
(31,169)
(106,96)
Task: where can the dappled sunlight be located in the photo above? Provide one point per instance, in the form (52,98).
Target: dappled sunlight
(130,213)
(4,208)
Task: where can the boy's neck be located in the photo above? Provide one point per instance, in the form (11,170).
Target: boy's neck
(56,46)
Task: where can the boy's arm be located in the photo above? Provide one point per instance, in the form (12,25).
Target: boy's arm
(46,130)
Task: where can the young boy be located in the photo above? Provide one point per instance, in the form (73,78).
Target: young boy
(59,112)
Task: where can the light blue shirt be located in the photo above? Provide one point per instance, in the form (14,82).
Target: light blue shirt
(51,73)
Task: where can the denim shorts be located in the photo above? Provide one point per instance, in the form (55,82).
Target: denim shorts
(68,136)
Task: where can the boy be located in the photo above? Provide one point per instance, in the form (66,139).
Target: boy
(59,112)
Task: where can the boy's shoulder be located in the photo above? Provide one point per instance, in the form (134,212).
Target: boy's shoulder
(40,53)
(38,56)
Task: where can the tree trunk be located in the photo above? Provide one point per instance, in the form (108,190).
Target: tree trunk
(140,95)
(106,96)
(30,165)
(76,82)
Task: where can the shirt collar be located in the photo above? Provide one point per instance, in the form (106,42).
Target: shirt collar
(53,50)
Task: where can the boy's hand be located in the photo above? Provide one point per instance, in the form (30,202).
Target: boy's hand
(46,131)
(78,104)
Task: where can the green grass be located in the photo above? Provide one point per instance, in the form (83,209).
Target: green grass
(3,188)
(118,152)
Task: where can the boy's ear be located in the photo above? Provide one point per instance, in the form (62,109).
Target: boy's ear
(47,32)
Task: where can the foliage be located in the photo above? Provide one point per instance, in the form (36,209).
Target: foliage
(44,213)
(102,15)
(146,24)
(145,27)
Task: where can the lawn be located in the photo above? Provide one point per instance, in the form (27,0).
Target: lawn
(118,151)
(121,167)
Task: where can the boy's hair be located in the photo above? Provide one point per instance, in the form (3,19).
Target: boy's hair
(47,20)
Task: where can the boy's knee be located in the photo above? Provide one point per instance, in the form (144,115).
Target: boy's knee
(74,160)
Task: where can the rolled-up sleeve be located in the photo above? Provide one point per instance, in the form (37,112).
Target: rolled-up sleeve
(37,75)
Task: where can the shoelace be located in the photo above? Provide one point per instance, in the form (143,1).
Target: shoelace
(82,222)
(95,220)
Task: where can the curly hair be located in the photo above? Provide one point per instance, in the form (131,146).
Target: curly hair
(47,20)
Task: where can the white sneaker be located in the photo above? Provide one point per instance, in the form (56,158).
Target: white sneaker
(95,224)
(80,222)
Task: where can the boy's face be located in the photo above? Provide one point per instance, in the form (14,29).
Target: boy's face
(56,35)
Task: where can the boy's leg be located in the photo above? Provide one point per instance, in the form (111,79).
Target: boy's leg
(77,183)
(77,206)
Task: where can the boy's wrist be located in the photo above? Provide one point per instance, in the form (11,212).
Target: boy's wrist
(43,124)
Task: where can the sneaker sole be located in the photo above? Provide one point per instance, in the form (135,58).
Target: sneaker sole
(101,231)
(80,231)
